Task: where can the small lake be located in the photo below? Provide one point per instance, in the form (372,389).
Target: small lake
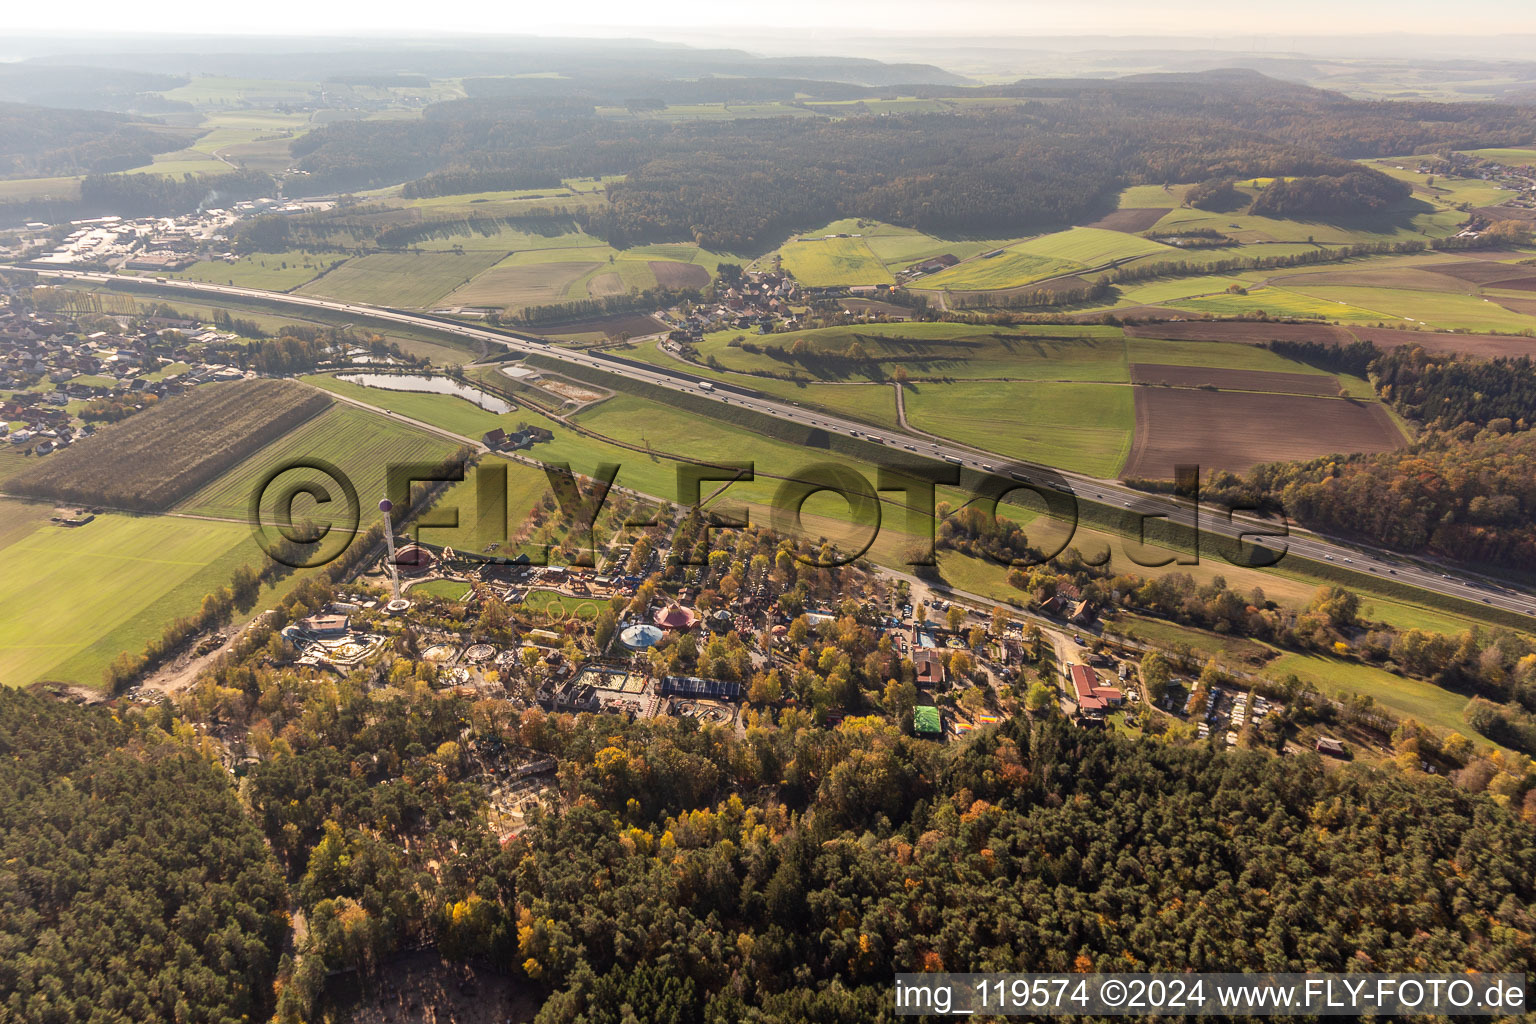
(432,385)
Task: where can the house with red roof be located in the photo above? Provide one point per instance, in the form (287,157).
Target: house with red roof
(1092,699)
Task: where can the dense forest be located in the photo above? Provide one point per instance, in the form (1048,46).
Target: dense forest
(1470,499)
(1044,155)
(40,142)
(1466,489)
(1354,194)
(783,874)
(134,886)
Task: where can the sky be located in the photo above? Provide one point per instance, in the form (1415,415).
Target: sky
(976,18)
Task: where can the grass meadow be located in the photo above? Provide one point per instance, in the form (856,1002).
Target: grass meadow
(72,599)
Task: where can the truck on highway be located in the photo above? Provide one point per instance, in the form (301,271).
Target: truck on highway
(705,385)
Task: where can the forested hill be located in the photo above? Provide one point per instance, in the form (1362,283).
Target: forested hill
(695,875)
(43,142)
(1045,155)
(1038,849)
(132,886)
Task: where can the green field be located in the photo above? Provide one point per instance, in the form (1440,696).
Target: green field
(1151,197)
(360,443)
(534,278)
(1212,354)
(400,279)
(679,252)
(1205,257)
(659,430)
(1286,302)
(1446,310)
(834,261)
(498,236)
(1155,292)
(551,602)
(1520,157)
(901,247)
(1036,259)
(1091,246)
(1086,428)
(18,189)
(872,253)
(1424,702)
(12,461)
(215,90)
(1065,352)
(1415,221)
(451,590)
(1010,270)
(71,600)
(182,162)
(1235,651)
(1444,190)
(278,272)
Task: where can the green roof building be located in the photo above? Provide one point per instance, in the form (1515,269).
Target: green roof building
(926,721)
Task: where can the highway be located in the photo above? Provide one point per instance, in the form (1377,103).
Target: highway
(1109,493)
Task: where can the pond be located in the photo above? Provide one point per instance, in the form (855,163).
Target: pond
(432,385)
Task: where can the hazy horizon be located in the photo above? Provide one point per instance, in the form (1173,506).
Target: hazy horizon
(1316,25)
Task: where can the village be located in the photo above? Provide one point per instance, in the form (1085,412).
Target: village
(144,244)
(63,374)
(642,634)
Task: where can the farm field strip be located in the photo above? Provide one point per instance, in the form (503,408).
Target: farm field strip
(1267,381)
(278,272)
(942,350)
(1236,430)
(1213,354)
(513,283)
(416,280)
(1441,309)
(1284,302)
(1083,427)
(360,443)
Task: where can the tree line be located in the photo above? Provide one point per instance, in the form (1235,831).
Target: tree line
(1464,489)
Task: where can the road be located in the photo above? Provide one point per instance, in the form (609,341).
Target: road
(1447,580)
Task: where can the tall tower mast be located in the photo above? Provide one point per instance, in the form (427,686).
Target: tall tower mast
(389,539)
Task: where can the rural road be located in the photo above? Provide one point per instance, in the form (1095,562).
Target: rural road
(1112,494)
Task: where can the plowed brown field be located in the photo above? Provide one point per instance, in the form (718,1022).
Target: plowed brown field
(1274,382)
(1237,430)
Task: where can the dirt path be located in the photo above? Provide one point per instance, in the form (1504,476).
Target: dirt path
(183,670)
